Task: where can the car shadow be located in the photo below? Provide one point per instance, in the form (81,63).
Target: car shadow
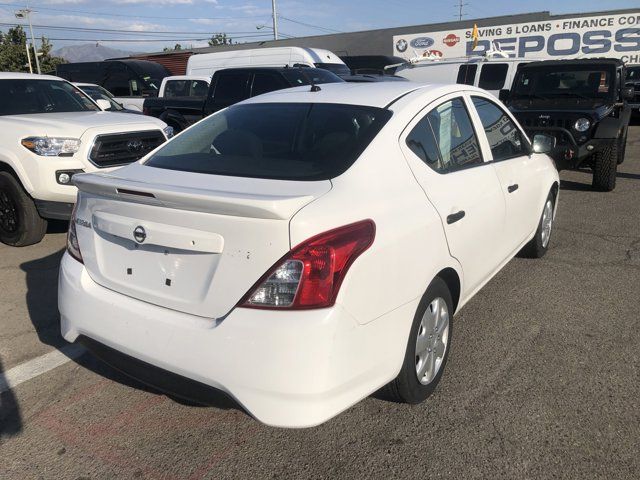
(632,176)
(42,305)
(10,417)
(575,186)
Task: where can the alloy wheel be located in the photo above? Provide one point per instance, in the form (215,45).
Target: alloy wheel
(432,340)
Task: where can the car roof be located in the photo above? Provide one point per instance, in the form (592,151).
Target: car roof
(372,94)
(581,61)
(27,76)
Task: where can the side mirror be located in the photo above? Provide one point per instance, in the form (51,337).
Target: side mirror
(628,93)
(504,95)
(543,143)
(103,104)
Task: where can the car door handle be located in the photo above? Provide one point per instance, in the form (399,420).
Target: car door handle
(454,217)
(512,188)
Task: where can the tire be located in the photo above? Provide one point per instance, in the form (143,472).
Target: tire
(539,244)
(605,168)
(622,150)
(406,387)
(20,224)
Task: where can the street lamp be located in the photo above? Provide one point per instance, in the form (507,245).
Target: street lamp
(26,13)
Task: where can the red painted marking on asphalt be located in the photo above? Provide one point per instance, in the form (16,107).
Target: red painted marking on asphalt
(111,425)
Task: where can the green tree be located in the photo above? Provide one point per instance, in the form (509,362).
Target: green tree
(13,53)
(219,39)
(177,47)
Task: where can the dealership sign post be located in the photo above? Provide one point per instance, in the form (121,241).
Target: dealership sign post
(614,36)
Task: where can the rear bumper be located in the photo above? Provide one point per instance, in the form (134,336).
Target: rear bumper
(287,369)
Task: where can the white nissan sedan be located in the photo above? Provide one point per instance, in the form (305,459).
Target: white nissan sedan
(302,249)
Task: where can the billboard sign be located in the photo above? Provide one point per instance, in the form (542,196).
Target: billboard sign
(616,36)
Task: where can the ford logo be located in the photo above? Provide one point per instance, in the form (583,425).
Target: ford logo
(139,234)
(422,42)
(135,146)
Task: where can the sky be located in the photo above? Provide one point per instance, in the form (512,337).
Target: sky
(150,25)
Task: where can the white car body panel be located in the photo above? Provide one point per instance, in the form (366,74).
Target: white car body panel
(313,363)
(208,63)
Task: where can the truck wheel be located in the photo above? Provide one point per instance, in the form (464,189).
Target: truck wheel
(622,150)
(427,349)
(605,168)
(20,224)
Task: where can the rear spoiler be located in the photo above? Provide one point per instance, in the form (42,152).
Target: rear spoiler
(276,207)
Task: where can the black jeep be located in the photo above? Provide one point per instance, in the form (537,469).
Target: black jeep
(583,105)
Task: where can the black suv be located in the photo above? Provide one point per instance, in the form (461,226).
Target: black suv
(583,105)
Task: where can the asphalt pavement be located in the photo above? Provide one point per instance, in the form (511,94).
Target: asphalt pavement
(543,380)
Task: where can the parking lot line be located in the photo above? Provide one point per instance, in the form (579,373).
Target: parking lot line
(39,365)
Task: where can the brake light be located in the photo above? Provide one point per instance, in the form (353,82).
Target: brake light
(310,275)
(73,247)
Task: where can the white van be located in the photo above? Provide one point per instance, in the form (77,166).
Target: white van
(491,74)
(207,63)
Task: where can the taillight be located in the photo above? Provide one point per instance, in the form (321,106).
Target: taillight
(310,275)
(73,247)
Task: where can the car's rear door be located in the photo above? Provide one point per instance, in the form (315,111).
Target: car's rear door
(508,149)
(443,152)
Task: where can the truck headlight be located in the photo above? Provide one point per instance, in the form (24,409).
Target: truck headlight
(168,131)
(52,146)
(582,124)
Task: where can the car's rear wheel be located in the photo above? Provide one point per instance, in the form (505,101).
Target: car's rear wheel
(20,224)
(428,347)
(605,168)
(539,244)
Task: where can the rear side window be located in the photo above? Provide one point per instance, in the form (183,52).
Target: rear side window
(285,141)
(444,139)
(266,82)
(505,139)
(493,76)
(467,74)
(176,88)
(231,87)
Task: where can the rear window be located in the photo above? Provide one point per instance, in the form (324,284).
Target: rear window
(306,76)
(284,141)
(467,74)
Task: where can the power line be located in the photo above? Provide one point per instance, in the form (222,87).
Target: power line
(152,40)
(121,15)
(460,6)
(331,30)
(126,32)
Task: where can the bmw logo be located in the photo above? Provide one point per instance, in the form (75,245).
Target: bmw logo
(139,234)
(401,45)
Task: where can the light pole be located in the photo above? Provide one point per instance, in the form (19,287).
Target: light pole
(275,19)
(26,13)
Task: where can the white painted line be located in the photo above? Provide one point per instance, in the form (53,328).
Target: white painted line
(33,368)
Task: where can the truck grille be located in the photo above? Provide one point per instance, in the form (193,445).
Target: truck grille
(123,148)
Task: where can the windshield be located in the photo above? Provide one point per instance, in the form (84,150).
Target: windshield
(22,96)
(337,68)
(285,141)
(633,74)
(306,76)
(99,93)
(588,81)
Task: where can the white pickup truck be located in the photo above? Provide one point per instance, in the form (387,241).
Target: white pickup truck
(49,131)
(184,86)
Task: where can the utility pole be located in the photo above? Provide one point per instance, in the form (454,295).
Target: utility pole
(28,57)
(275,19)
(26,13)
(460,6)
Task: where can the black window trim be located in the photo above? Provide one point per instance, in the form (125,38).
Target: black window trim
(525,138)
(447,171)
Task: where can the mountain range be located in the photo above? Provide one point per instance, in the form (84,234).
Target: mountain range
(89,52)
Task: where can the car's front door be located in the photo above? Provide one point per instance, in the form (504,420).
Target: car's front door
(510,153)
(443,152)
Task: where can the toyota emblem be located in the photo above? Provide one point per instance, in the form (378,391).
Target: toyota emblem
(135,146)
(139,234)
